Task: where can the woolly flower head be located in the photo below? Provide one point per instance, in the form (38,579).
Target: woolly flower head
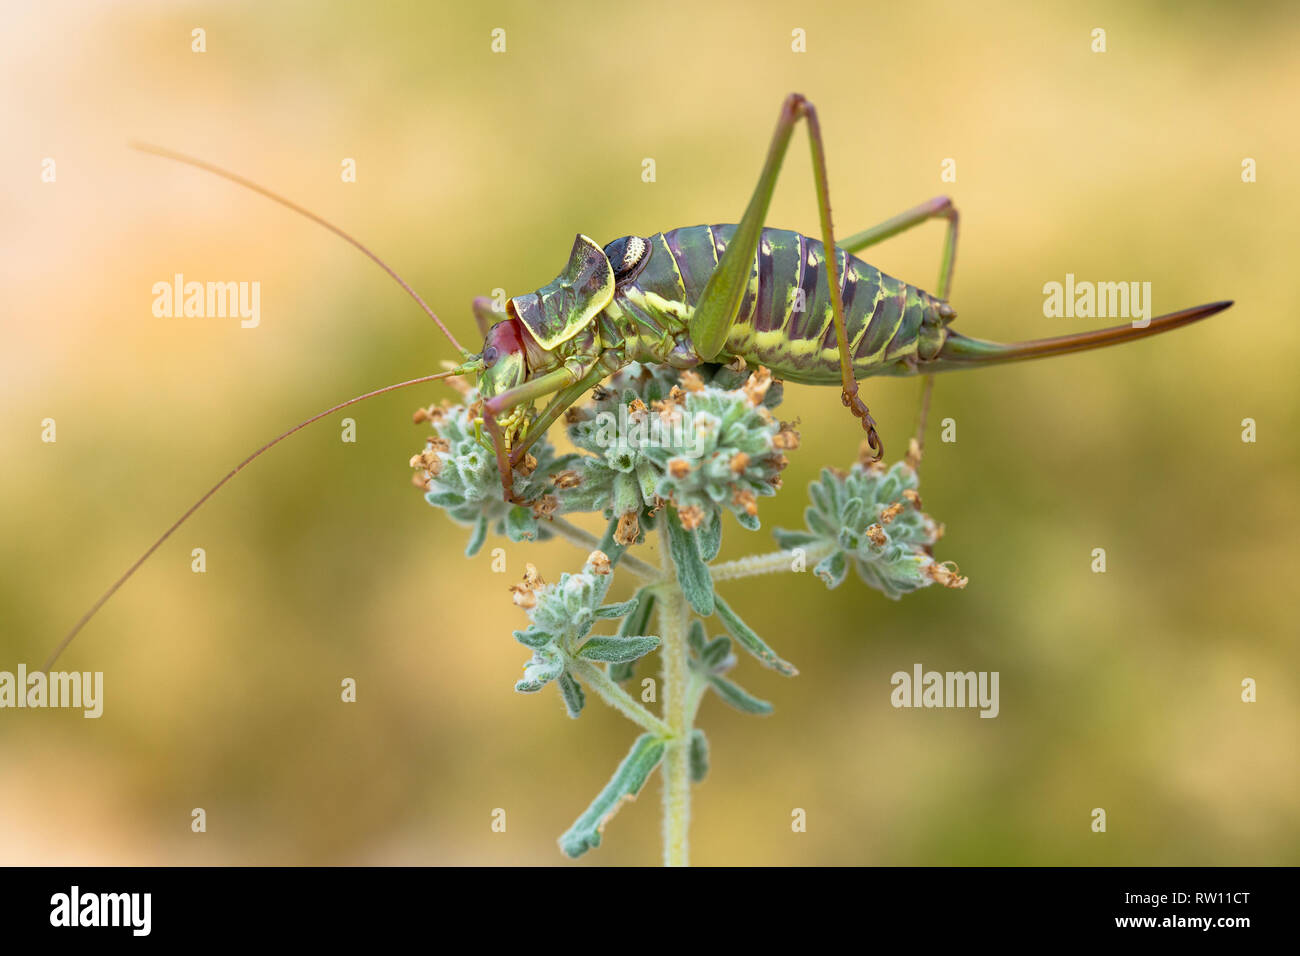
(562,617)
(459,474)
(871,519)
(654,437)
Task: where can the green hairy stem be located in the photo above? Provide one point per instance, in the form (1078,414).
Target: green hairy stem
(673,617)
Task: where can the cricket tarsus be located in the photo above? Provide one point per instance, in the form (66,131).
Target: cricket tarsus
(103,598)
(290,204)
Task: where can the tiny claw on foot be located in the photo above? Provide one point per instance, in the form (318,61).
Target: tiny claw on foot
(508,491)
(859,408)
(873,442)
(515,499)
(526,468)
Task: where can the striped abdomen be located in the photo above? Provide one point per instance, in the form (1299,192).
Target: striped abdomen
(785,320)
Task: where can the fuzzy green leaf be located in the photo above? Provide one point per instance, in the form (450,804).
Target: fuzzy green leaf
(444,499)
(716,652)
(626,783)
(545,666)
(817,523)
(737,697)
(699,756)
(618,649)
(635,623)
(621,671)
(692,573)
(833,569)
(477,536)
(708,538)
(572,693)
(520,524)
(617,610)
(751,642)
(793,539)
(638,619)
(627,494)
(648,479)
(695,637)
(534,637)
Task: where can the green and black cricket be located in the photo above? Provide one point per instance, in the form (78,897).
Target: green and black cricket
(701,294)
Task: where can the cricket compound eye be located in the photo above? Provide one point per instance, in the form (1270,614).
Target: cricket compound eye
(626,256)
(503,340)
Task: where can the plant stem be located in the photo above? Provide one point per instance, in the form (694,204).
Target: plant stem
(674,617)
(770,563)
(585,539)
(695,695)
(598,680)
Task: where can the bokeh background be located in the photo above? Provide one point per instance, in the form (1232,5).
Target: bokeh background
(1118,690)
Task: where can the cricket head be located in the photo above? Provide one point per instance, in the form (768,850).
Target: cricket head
(540,322)
(504,358)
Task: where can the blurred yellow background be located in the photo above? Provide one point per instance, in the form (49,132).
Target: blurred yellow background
(474,171)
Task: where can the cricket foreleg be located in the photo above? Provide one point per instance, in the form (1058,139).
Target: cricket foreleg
(510,400)
(557,407)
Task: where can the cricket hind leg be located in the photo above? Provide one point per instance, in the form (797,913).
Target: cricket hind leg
(719,304)
(848,379)
(940,207)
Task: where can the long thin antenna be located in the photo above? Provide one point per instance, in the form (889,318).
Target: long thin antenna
(249,184)
(85,618)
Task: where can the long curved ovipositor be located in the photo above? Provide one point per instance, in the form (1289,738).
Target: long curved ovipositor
(960,351)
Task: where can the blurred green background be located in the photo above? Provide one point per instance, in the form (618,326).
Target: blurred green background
(1118,690)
